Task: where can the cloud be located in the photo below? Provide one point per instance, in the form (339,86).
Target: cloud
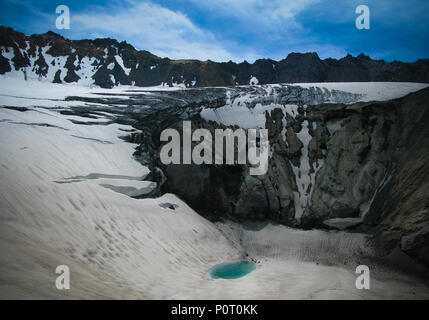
(236,30)
(154,28)
(274,27)
(259,13)
(219,30)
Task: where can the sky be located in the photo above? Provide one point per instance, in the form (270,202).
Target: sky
(237,30)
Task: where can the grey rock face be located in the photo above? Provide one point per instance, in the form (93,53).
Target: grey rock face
(399,210)
(357,160)
(225,191)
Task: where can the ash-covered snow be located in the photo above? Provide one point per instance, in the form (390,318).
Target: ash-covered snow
(246,111)
(371,91)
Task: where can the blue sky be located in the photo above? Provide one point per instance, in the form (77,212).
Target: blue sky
(238,30)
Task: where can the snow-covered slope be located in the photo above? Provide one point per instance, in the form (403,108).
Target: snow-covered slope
(65,183)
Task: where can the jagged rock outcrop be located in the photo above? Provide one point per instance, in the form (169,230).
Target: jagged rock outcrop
(359,145)
(107,63)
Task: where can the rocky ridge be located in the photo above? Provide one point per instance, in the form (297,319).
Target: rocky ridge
(107,63)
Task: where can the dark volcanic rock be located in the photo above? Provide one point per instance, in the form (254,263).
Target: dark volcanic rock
(399,210)
(4,65)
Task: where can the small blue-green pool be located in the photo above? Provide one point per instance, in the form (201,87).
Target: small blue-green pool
(232,270)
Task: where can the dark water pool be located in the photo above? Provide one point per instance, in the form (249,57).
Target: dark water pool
(231,270)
